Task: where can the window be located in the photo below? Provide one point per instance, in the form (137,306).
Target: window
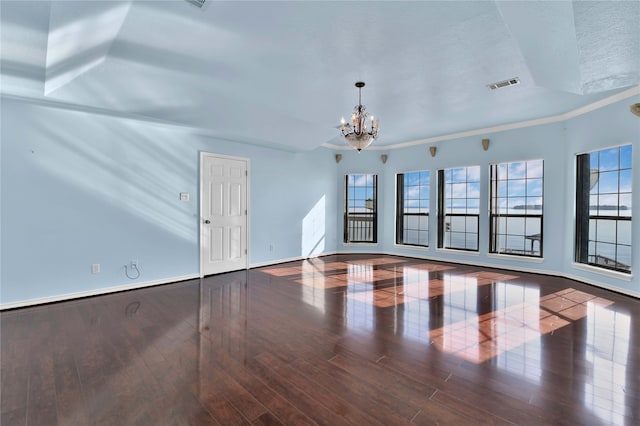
(412,208)
(516,201)
(458,208)
(603,208)
(360,209)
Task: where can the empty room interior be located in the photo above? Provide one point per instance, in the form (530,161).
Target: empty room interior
(319,212)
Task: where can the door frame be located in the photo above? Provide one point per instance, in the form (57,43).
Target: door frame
(204,154)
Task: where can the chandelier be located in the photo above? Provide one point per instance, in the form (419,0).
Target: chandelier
(356,133)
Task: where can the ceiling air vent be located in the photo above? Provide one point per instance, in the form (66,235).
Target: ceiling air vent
(198,3)
(499,85)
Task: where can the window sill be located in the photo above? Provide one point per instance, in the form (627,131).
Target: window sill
(517,258)
(454,251)
(410,247)
(602,271)
(360,244)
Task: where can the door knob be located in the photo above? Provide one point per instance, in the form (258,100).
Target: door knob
(207,221)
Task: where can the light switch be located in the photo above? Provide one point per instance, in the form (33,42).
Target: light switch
(184,196)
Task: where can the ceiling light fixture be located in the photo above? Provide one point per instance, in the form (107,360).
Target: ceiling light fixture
(356,133)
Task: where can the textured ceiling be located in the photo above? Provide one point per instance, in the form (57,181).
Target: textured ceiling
(282,73)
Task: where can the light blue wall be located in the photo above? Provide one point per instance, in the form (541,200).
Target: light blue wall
(293,204)
(80,188)
(555,143)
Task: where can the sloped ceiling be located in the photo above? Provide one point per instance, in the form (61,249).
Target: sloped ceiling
(282,73)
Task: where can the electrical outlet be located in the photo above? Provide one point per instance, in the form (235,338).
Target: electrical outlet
(95,268)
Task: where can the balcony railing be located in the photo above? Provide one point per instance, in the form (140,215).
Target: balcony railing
(360,228)
(607,262)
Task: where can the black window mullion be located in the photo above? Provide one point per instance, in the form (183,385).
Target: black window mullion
(375,208)
(541,234)
(400,209)
(346,209)
(441,205)
(492,207)
(583,189)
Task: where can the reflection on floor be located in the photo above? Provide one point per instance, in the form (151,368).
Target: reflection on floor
(481,338)
(344,339)
(477,338)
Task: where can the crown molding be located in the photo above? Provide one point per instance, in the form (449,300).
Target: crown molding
(504,127)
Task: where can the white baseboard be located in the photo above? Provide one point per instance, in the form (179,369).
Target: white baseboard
(275,262)
(133,286)
(631,293)
(481,263)
(96,292)
(517,268)
(290,259)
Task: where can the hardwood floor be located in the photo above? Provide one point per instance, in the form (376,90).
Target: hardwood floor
(338,340)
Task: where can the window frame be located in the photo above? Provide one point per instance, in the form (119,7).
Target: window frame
(495,215)
(400,208)
(374,214)
(442,212)
(584,216)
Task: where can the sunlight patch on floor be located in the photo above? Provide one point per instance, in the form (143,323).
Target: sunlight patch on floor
(483,337)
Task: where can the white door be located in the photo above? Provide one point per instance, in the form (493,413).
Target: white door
(223,206)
